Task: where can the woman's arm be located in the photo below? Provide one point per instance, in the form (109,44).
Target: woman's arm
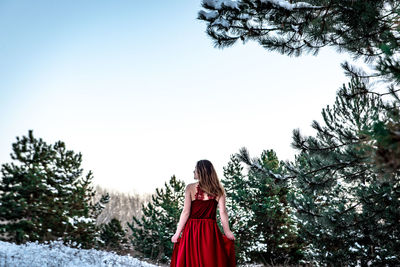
(224,217)
(185,212)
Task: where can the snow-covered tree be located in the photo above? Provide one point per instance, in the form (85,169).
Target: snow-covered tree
(346,177)
(348,204)
(43,195)
(293,27)
(153,231)
(364,29)
(259,213)
(113,236)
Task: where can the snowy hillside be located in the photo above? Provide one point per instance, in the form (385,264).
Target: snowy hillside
(56,254)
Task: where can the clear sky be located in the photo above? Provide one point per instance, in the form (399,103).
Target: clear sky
(138,88)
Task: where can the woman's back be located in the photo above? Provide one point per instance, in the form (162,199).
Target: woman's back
(203,206)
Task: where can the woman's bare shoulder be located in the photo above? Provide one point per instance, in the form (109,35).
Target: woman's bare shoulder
(191,185)
(192,190)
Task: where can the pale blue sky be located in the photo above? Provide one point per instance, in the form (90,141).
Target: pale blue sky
(139,89)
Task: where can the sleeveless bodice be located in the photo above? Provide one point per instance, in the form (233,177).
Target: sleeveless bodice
(203,209)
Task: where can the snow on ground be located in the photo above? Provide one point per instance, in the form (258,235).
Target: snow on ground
(55,254)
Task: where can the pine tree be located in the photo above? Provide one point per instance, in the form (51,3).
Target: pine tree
(153,231)
(83,213)
(236,188)
(261,216)
(365,29)
(113,236)
(348,204)
(42,191)
(347,176)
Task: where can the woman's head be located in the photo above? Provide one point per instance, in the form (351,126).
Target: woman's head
(208,178)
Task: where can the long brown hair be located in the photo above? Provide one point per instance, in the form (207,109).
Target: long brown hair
(208,178)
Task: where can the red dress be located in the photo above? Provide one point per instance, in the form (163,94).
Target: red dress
(202,244)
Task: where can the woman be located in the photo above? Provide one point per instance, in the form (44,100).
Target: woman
(202,243)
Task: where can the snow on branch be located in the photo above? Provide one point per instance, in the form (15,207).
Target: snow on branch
(209,15)
(289,6)
(218,4)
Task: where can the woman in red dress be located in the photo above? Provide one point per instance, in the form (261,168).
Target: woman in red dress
(202,244)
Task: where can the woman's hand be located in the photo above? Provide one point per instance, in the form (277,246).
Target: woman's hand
(230,235)
(174,238)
